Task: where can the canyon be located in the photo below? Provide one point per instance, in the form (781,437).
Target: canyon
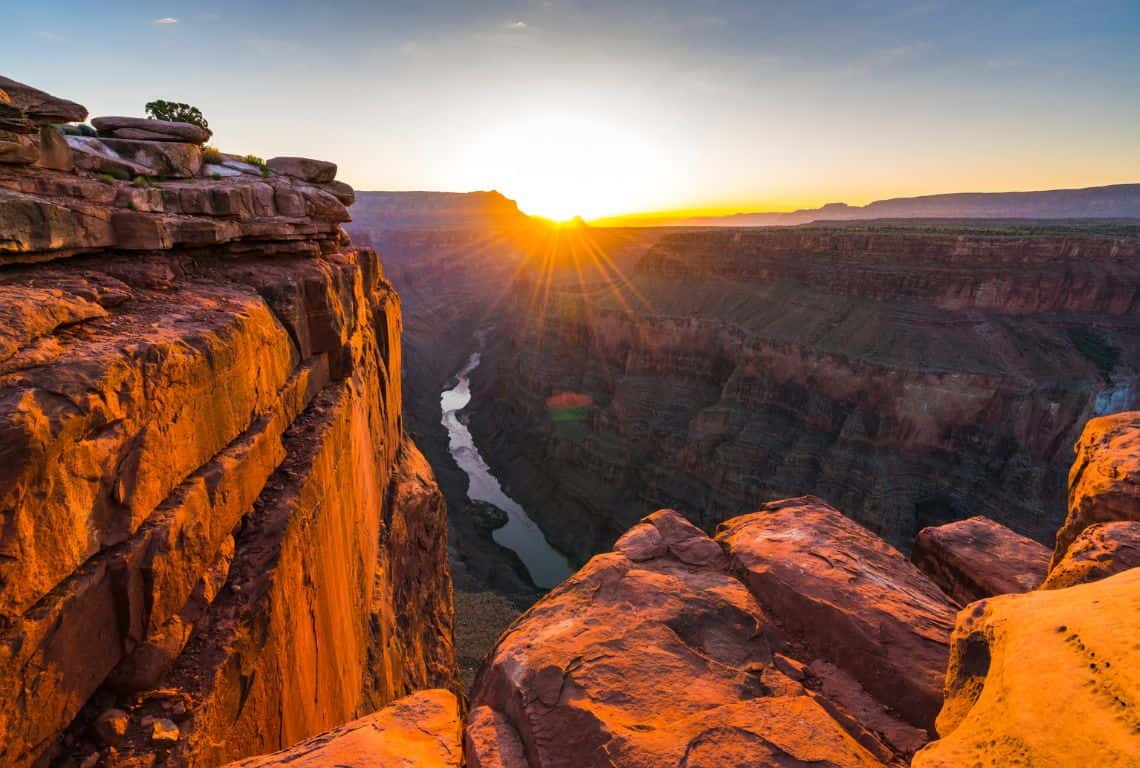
(910,377)
(813,488)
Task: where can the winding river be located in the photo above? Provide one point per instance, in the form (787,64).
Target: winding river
(547,566)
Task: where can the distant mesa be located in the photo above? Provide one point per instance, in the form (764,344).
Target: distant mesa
(1116,201)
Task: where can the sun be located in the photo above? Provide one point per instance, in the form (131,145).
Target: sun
(565,166)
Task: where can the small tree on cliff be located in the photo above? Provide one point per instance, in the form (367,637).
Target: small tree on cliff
(177,112)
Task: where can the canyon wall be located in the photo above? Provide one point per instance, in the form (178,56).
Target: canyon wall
(908,377)
(216,538)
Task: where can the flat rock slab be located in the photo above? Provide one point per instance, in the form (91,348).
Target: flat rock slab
(849,598)
(418,731)
(1047,678)
(41,108)
(315,171)
(155,130)
(976,558)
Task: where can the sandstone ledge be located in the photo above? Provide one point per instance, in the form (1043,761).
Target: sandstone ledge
(421,730)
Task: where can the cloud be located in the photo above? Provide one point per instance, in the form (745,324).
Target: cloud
(516,24)
(165,20)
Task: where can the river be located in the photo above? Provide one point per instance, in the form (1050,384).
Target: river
(547,566)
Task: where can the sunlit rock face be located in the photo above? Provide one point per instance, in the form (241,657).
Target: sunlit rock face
(1046,678)
(419,731)
(910,377)
(213,526)
(795,637)
(1050,677)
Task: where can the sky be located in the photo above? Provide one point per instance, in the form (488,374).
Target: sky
(606,108)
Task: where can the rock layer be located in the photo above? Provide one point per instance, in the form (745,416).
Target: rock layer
(975,558)
(213,524)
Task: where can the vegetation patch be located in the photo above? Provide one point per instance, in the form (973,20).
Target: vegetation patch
(1092,344)
(176,112)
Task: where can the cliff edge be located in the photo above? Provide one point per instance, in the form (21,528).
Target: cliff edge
(216,538)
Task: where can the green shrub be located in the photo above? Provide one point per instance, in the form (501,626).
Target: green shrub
(265,172)
(80,129)
(177,112)
(122,174)
(141,181)
(215,175)
(212,155)
(106,178)
(254,160)
(1095,347)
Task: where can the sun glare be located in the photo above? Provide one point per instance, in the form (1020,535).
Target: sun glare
(562,167)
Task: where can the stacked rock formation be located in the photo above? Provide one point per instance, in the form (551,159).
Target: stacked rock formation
(216,538)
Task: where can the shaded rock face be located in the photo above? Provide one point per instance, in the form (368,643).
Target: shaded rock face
(211,518)
(911,378)
(1047,678)
(976,558)
(774,645)
(421,730)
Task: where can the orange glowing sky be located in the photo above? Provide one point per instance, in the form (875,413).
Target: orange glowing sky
(602,108)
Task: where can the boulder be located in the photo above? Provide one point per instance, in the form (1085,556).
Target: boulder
(418,731)
(653,655)
(151,130)
(1101,550)
(341,191)
(42,108)
(315,171)
(976,558)
(168,158)
(1046,678)
(843,595)
(1104,482)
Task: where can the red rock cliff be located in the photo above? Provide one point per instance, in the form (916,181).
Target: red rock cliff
(216,539)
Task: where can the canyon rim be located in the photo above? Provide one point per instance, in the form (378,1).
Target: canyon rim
(647,453)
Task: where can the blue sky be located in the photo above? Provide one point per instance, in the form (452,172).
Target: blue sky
(634,105)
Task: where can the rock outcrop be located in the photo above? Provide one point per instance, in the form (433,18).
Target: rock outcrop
(794,638)
(975,558)
(1104,482)
(1044,679)
(420,731)
(1099,551)
(1051,677)
(213,525)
